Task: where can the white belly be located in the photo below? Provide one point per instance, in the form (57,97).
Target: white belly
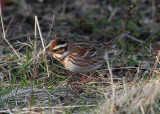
(81,66)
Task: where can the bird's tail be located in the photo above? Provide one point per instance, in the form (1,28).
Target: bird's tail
(116,39)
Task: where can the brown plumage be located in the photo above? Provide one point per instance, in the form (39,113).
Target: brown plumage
(81,56)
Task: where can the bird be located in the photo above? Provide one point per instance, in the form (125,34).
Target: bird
(82,57)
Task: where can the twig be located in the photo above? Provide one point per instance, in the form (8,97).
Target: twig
(35,29)
(112,84)
(59,107)
(130,11)
(44,48)
(153,9)
(37,23)
(4,34)
(112,14)
(35,36)
(51,26)
(49,93)
(155,64)
(9,111)
(10,23)
(133,38)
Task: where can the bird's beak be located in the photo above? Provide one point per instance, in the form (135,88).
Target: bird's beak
(50,53)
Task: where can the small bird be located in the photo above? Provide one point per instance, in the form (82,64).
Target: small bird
(82,57)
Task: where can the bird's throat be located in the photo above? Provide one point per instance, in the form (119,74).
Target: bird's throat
(60,56)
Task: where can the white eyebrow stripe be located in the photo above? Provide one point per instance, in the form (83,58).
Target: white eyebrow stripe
(60,46)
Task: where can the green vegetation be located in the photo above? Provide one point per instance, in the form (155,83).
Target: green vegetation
(33,81)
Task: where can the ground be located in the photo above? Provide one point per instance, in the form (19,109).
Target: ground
(33,81)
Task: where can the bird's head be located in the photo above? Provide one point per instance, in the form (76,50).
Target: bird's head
(59,48)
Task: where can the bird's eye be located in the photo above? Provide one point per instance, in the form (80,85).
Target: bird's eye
(62,42)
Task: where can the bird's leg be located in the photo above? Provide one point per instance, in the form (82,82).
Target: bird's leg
(83,76)
(88,79)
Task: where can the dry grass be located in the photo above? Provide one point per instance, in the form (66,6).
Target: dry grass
(33,82)
(138,97)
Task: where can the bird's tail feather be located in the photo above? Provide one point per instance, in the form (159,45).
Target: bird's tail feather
(116,39)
